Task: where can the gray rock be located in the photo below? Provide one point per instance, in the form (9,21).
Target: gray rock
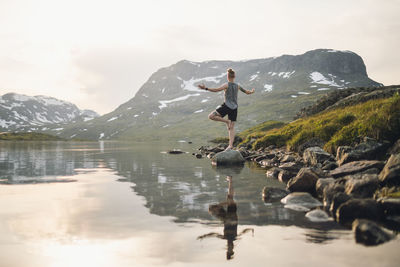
(358,209)
(211,155)
(273,172)
(395,149)
(288,158)
(314,155)
(369,233)
(199,156)
(300,199)
(229,157)
(330,191)
(318,215)
(368,149)
(290,166)
(304,181)
(337,200)
(362,185)
(321,184)
(356,166)
(268,163)
(273,193)
(313,142)
(390,174)
(329,165)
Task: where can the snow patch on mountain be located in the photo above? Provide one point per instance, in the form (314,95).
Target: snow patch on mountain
(191,85)
(164,103)
(268,87)
(317,77)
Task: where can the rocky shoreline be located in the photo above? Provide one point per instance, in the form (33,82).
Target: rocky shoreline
(359,187)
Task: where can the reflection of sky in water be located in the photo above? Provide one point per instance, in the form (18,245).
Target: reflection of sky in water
(97,221)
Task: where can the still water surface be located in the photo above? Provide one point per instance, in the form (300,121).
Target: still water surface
(129,204)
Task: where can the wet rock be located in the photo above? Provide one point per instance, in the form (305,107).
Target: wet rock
(362,185)
(314,155)
(356,166)
(199,156)
(284,176)
(390,174)
(175,151)
(369,233)
(268,163)
(321,184)
(290,166)
(229,157)
(244,152)
(390,206)
(273,172)
(318,215)
(368,149)
(329,165)
(358,209)
(272,193)
(304,181)
(330,191)
(301,200)
(337,200)
(211,155)
(288,158)
(395,149)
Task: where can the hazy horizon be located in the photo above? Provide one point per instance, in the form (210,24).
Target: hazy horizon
(86,51)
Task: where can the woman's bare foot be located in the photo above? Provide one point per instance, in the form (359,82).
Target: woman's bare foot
(229,148)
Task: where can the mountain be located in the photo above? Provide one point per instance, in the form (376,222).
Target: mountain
(169,105)
(38,113)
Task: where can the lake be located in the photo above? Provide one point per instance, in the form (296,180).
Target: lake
(132,204)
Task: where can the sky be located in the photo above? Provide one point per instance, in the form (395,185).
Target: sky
(97,54)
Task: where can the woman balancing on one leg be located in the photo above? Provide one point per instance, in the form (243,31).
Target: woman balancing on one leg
(230,106)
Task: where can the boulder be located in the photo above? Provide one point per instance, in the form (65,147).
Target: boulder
(288,158)
(284,176)
(368,149)
(314,155)
(362,185)
(244,152)
(267,163)
(390,206)
(321,184)
(369,233)
(330,191)
(273,172)
(329,165)
(355,167)
(318,215)
(304,181)
(358,209)
(272,193)
(290,166)
(300,201)
(390,175)
(229,157)
(337,200)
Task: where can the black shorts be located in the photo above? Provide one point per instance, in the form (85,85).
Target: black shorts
(224,109)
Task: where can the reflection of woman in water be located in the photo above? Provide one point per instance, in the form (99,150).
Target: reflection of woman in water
(229,218)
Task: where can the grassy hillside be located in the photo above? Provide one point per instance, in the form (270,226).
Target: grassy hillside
(28,137)
(378,118)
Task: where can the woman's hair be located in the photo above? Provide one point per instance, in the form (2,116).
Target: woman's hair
(231,73)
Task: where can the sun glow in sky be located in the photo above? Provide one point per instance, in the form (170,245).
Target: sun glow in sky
(97,54)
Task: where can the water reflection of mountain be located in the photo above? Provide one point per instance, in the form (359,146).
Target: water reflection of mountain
(33,161)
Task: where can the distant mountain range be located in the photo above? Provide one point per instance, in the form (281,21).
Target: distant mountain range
(169,105)
(24,113)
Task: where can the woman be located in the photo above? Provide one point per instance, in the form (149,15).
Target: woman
(230,106)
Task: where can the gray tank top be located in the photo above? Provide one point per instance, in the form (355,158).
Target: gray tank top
(231,95)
